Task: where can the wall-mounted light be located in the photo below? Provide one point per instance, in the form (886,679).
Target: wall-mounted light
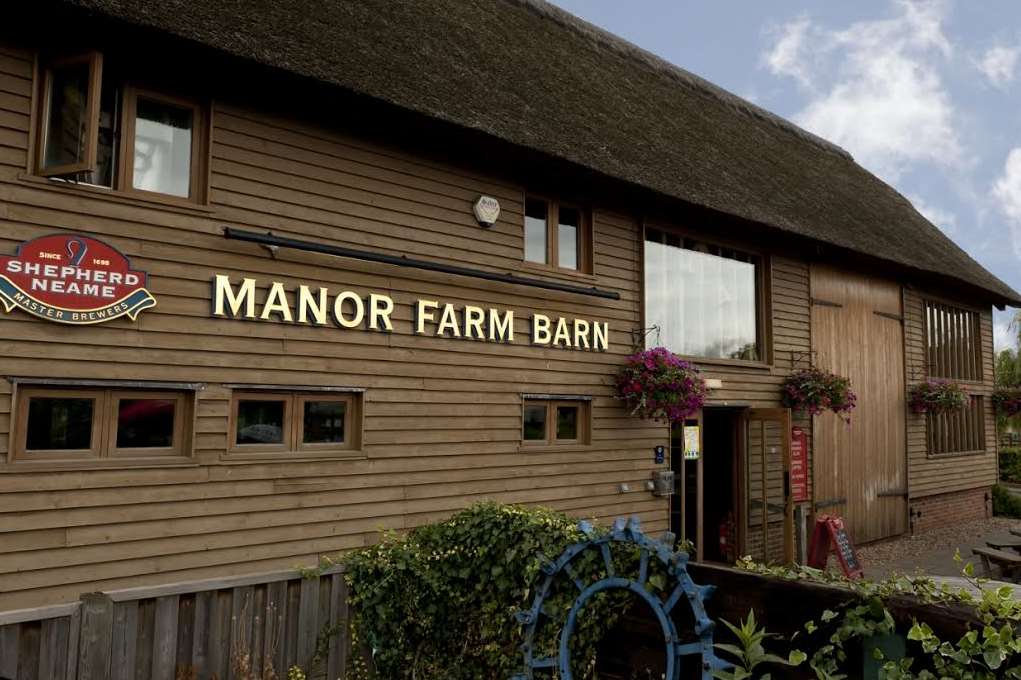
(487,210)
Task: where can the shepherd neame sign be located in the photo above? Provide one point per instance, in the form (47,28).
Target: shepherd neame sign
(318,306)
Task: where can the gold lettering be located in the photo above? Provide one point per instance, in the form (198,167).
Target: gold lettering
(501,328)
(338,310)
(448,322)
(540,329)
(473,317)
(307,303)
(380,309)
(563,333)
(223,293)
(600,336)
(424,312)
(276,302)
(581,330)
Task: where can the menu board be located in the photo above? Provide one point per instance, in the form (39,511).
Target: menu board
(799,465)
(831,534)
(691,442)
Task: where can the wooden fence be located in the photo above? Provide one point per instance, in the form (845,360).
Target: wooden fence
(198,630)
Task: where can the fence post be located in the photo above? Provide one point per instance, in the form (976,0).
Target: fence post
(95,637)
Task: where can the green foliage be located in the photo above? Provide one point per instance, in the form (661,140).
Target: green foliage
(1005,504)
(1008,369)
(1010,464)
(749,652)
(439,601)
(990,650)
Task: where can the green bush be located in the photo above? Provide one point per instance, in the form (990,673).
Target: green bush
(1010,464)
(439,601)
(1005,504)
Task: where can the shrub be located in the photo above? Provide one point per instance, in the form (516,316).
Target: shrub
(937,397)
(1007,401)
(659,385)
(1005,504)
(439,602)
(813,390)
(1010,464)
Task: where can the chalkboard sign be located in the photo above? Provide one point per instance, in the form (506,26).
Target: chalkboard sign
(831,534)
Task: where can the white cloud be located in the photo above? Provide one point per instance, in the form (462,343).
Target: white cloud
(1004,336)
(1007,192)
(944,219)
(884,99)
(998,65)
(788,56)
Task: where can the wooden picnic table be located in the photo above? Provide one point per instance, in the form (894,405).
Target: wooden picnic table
(1006,543)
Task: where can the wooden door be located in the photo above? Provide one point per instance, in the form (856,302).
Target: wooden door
(767,520)
(860,469)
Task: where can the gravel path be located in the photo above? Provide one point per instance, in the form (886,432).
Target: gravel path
(932,552)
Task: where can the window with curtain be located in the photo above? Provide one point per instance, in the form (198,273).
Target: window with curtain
(701,298)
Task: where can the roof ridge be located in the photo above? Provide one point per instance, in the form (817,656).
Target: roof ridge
(632,51)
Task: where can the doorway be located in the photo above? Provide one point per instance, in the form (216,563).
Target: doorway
(721,483)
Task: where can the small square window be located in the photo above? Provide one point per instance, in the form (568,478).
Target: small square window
(60,424)
(551,421)
(288,422)
(145,423)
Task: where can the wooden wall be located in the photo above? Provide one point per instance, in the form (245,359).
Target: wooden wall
(930,475)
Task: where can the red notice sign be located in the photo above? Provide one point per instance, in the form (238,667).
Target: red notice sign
(799,465)
(68,278)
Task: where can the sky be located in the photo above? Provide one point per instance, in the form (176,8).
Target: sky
(926,94)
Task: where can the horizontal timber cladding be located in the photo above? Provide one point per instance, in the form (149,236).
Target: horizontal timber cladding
(442,416)
(930,474)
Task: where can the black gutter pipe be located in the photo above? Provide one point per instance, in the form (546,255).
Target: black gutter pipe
(402,261)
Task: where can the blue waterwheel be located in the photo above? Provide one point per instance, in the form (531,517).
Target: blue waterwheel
(684,590)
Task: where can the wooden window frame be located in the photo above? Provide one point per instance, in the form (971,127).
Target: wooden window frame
(954,432)
(104,427)
(126,153)
(128,94)
(763,296)
(551,440)
(948,365)
(294,425)
(586,254)
(176,448)
(299,419)
(95,61)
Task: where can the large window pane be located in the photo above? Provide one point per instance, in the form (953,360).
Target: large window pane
(163,139)
(536,213)
(260,422)
(67,124)
(703,304)
(145,423)
(535,422)
(59,423)
(567,237)
(324,422)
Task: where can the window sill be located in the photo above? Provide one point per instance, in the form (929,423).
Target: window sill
(742,363)
(23,466)
(291,456)
(956,454)
(569,274)
(142,199)
(553,448)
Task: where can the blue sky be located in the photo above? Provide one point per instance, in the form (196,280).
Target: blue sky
(924,93)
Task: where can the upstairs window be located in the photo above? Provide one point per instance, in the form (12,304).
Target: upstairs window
(557,235)
(98,129)
(704,300)
(953,342)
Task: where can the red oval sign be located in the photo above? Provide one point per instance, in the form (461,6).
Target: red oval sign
(69,278)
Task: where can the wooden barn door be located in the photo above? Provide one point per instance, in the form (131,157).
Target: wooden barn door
(768,522)
(860,470)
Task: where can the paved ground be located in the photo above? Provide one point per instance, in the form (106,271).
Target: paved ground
(933,551)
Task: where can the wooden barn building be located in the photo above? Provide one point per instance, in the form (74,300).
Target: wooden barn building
(278,276)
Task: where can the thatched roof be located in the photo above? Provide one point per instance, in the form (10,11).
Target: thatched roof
(533,75)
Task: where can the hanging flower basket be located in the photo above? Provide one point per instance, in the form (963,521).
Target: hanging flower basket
(813,390)
(937,397)
(659,385)
(1007,401)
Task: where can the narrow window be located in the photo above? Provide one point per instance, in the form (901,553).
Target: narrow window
(70,115)
(163,147)
(568,233)
(290,422)
(55,424)
(536,216)
(961,432)
(552,421)
(953,342)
